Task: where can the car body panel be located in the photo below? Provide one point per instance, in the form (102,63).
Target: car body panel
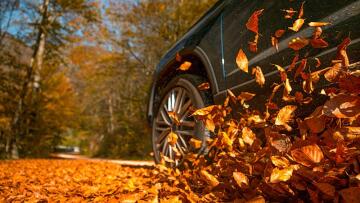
(219,35)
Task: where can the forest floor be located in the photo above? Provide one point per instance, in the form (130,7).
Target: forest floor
(74,181)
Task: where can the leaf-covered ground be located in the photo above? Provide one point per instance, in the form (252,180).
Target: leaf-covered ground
(73,181)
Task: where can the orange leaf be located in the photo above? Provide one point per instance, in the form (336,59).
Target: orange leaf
(333,73)
(209,178)
(195,143)
(279,33)
(274,43)
(278,175)
(206,110)
(172,138)
(318,62)
(242,61)
(316,121)
(301,12)
(318,24)
(279,161)
(313,153)
(204,86)
(174,117)
(253,22)
(178,57)
(318,43)
(259,76)
(298,43)
(240,178)
(326,188)
(342,106)
(248,136)
(289,13)
(300,68)
(185,66)
(284,116)
(210,125)
(293,63)
(297,25)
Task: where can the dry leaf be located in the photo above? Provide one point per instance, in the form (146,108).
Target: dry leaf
(318,24)
(313,153)
(342,106)
(318,43)
(301,11)
(195,143)
(279,161)
(172,138)
(259,76)
(174,117)
(279,33)
(185,66)
(278,175)
(298,43)
(285,116)
(248,136)
(209,178)
(253,22)
(178,57)
(240,179)
(297,25)
(204,86)
(333,73)
(289,13)
(242,61)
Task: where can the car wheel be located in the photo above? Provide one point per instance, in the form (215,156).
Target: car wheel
(181,96)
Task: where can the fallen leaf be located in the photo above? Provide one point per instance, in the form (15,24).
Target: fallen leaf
(209,178)
(342,106)
(279,33)
(333,73)
(351,194)
(174,117)
(240,179)
(259,76)
(297,25)
(301,11)
(316,121)
(279,161)
(242,61)
(253,22)
(278,175)
(318,24)
(248,135)
(195,143)
(289,13)
(204,86)
(178,57)
(285,115)
(313,153)
(318,43)
(185,66)
(298,43)
(172,138)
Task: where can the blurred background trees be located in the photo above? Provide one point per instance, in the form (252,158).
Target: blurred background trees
(78,72)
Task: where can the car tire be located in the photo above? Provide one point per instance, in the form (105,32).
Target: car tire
(181,95)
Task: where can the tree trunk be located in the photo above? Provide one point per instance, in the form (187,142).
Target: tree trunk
(32,76)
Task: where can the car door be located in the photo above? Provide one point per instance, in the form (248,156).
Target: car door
(343,16)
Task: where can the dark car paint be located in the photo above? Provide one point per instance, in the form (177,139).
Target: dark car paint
(217,37)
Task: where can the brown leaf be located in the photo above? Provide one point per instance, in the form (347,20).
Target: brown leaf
(316,121)
(326,188)
(178,57)
(245,96)
(341,52)
(210,125)
(253,22)
(240,179)
(185,66)
(297,25)
(279,161)
(318,24)
(204,86)
(318,62)
(284,116)
(293,63)
(242,61)
(300,68)
(253,44)
(275,43)
(172,138)
(174,117)
(195,143)
(333,73)
(342,106)
(279,33)
(212,180)
(278,175)
(313,153)
(318,43)
(248,136)
(289,13)
(301,11)
(298,43)
(350,195)
(259,76)
(206,110)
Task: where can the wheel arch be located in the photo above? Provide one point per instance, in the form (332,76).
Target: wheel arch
(201,66)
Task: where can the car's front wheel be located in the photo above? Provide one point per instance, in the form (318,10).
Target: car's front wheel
(173,126)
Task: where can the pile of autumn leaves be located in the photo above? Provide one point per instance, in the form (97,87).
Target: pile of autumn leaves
(255,158)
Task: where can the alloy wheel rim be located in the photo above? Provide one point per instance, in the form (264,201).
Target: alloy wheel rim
(179,103)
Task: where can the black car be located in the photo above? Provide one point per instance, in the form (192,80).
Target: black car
(212,46)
